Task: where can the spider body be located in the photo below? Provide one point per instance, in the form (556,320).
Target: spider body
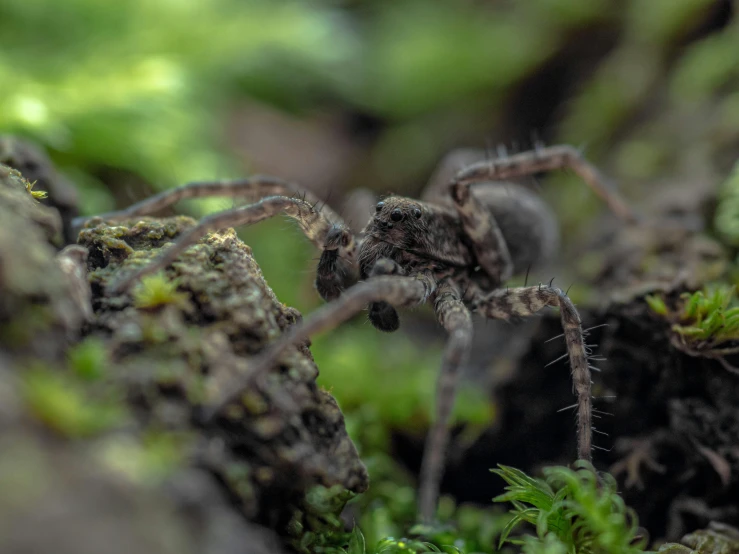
(455,249)
(424,236)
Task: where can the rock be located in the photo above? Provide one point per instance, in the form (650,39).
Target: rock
(100,397)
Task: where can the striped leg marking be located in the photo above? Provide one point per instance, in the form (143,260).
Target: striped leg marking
(456,320)
(526,301)
(397,291)
(251,189)
(546,159)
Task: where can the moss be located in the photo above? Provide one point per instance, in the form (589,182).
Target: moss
(704,321)
(315,525)
(36,194)
(89,359)
(573,511)
(155,291)
(719,538)
(65,406)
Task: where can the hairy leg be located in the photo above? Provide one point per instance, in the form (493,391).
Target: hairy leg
(484,234)
(526,301)
(455,318)
(251,189)
(381,314)
(540,160)
(395,290)
(337,242)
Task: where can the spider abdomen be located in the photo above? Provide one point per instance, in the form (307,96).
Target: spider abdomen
(528,224)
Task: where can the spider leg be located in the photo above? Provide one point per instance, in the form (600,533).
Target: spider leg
(484,234)
(337,242)
(252,189)
(381,314)
(544,159)
(456,320)
(526,301)
(396,290)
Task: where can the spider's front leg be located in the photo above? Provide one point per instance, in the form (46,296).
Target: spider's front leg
(395,290)
(251,189)
(381,314)
(455,318)
(526,301)
(337,263)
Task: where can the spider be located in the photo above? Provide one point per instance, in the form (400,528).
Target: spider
(455,250)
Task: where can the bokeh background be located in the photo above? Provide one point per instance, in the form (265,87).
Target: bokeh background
(136,96)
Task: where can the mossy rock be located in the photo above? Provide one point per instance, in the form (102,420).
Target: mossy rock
(180,336)
(112,387)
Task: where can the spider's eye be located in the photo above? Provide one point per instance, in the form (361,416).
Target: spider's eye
(396,215)
(379,206)
(417,213)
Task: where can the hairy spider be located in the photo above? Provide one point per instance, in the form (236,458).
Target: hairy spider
(455,249)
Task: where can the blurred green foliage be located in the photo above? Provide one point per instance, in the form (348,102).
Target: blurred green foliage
(63,403)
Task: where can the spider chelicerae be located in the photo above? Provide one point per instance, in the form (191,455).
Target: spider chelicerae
(455,249)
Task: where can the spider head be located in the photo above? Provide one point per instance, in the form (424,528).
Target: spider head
(397,219)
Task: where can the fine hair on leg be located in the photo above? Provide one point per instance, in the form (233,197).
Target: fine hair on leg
(315,226)
(456,320)
(546,159)
(395,290)
(526,301)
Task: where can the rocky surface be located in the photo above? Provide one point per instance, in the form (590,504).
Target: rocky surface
(100,397)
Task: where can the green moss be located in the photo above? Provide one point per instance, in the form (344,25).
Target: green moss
(89,359)
(155,291)
(315,525)
(36,194)
(656,304)
(573,511)
(704,320)
(64,405)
